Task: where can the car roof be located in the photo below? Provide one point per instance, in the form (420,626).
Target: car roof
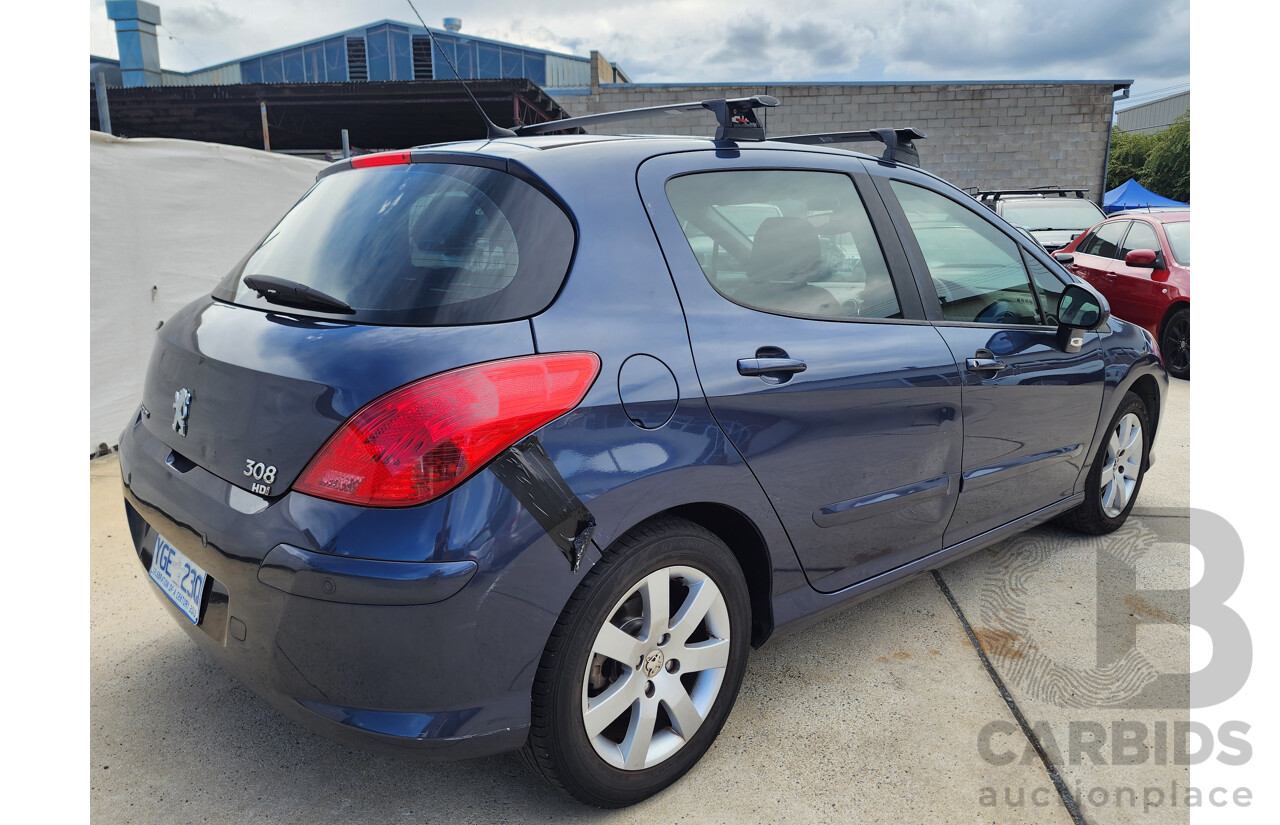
(1172,216)
(642,147)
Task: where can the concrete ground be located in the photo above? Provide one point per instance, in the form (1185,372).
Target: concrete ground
(885,713)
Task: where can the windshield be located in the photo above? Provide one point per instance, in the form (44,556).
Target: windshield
(1058,213)
(1179,235)
(417,244)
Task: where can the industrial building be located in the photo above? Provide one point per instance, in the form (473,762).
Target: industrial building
(1154,115)
(383,51)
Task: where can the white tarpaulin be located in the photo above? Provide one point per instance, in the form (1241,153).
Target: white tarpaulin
(168,219)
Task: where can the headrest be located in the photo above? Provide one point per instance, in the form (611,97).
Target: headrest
(785,249)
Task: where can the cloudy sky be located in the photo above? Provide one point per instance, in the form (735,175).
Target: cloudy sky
(659,41)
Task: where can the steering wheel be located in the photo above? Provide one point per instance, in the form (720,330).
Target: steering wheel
(998,312)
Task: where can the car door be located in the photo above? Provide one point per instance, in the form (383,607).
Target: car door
(1030,408)
(1096,255)
(1136,290)
(813,352)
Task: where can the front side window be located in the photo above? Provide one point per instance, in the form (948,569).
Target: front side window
(418,244)
(1105,243)
(1141,236)
(976,269)
(786,242)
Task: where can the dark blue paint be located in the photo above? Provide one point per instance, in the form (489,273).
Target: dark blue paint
(847,473)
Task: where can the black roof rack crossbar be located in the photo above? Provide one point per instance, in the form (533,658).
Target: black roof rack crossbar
(997,194)
(737,117)
(898,145)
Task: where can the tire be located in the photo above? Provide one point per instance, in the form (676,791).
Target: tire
(1116,476)
(1175,344)
(676,676)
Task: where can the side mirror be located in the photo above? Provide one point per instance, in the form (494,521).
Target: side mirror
(1081,309)
(1064,258)
(1140,257)
(1075,235)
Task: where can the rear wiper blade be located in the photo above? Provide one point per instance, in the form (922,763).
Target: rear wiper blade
(293,294)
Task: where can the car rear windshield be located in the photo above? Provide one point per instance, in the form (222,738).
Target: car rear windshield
(1179,235)
(1043,215)
(417,244)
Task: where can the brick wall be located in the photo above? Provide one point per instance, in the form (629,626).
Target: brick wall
(993,136)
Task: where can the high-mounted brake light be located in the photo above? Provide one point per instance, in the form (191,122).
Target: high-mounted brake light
(381,159)
(422,440)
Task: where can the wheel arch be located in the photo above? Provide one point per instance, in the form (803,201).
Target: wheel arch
(1181,303)
(1146,388)
(744,540)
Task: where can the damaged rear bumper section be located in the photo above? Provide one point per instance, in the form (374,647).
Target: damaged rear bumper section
(429,650)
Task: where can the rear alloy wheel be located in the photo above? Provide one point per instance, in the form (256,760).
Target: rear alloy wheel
(1175,344)
(643,666)
(1116,476)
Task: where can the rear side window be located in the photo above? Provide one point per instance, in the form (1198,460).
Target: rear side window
(419,245)
(786,242)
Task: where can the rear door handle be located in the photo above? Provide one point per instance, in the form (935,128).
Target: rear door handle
(983,364)
(767,366)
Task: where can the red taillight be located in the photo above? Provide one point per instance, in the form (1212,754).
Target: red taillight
(381,159)
(422,440)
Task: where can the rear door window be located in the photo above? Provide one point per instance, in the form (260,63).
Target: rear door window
(417,244)
(786,242)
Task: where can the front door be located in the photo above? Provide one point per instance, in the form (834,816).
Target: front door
(1030,408)
(813,353)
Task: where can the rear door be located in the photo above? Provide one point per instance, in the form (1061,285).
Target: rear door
(813,352)
(1030,409)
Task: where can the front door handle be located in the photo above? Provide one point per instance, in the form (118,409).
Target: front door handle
(768,366)
(983,364)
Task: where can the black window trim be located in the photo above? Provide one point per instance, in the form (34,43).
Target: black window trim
(924,281)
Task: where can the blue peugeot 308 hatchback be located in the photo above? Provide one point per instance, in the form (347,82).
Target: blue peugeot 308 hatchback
(522,443)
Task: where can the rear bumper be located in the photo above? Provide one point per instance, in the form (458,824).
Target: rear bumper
(433,654)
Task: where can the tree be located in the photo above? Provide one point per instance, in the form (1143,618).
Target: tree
(1167,170)
(1129,151)
(1161,161)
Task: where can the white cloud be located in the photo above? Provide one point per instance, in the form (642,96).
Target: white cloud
(746,40)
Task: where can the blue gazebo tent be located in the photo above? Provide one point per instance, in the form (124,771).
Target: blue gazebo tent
(1133,195)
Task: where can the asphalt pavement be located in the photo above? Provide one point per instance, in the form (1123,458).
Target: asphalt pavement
(1035,681)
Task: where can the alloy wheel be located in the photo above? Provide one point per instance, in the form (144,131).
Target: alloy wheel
(1123,465)
(656,667)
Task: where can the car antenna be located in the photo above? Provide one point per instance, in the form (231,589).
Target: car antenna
(494,130)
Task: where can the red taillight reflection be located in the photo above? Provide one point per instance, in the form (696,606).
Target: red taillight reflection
(381,159)
(420,441)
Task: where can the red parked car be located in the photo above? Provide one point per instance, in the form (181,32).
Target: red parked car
(1142,263)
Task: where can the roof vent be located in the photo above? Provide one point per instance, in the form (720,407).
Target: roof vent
(453,24)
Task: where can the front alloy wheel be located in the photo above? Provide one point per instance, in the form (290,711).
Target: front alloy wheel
(642,667)
(1116,476)
(1123,465)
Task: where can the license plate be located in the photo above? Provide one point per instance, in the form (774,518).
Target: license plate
(180,578)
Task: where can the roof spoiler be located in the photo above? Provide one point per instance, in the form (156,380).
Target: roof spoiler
(737,117)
